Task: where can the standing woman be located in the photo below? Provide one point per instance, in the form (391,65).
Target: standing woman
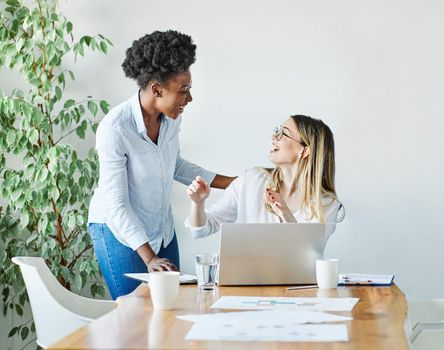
(130,218)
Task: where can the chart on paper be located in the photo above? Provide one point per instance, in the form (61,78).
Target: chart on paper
(270,303)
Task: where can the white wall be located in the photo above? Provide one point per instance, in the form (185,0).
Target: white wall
(372,70)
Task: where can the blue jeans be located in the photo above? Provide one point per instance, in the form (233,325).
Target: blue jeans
(116,259)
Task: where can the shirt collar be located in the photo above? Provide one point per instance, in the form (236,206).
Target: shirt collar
(137,114)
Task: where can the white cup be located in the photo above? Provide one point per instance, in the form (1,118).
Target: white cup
(327,273)
(164,289)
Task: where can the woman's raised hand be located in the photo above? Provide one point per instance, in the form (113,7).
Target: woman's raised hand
(199,190)
(279,205)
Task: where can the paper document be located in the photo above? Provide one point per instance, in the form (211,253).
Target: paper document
(278,324)
(276,332)
(267,317)
(271,303)
(145,277)
(365,279)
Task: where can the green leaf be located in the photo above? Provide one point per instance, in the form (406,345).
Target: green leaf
(69,103)
(22,299)
(5,292)
(43,174)
(80,130)
(24,333)
(101,290)
(61,79)
(69,27)
(13,331)
(10,137)
(71,222)
(24,221)
(94,127)
(58,93)
(28,44)
(44,248)
(19,309)
(54,193)
(26,109)
(37,117)
(15,194)
(33,136)
(80,50)
(86,39)
(78,282)
(104,106)
(92,108)
(93,289)
(19,44)
(93,44)
(80,220)
(31,238)
(103,47)
(53,167)
(20,202)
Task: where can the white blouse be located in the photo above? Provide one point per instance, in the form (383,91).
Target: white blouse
(243,202)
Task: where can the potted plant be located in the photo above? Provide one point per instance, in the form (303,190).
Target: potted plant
(44,201)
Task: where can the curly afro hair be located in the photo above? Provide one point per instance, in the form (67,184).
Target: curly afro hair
(159,56)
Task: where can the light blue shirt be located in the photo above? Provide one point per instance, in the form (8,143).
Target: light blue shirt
(136,176)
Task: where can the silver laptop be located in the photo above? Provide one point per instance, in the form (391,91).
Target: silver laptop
(270,254)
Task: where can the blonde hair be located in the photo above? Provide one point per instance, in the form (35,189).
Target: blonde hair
(316,176)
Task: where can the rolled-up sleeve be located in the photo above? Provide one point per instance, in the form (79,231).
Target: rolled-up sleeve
(114,184)
(185,172)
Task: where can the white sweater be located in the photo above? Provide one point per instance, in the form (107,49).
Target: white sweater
(243,202)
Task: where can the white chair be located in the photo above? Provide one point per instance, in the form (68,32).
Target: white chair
(57,312)
(427,324)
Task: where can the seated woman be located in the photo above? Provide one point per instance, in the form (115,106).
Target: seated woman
(299,189)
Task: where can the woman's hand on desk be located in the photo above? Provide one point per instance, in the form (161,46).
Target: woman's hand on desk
(160,264)
(199,190)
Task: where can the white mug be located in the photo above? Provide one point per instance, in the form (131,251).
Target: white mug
(164,289)
(327,273)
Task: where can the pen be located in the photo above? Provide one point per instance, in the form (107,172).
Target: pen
(303,287)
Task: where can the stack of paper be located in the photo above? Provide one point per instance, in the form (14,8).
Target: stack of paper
(281,319)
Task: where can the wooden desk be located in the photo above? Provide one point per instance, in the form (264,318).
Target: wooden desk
(378,322)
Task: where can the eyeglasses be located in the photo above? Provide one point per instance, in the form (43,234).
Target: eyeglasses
(278,132)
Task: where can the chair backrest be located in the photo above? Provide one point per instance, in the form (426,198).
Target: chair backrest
(426,319)
(427,311)
(52,319)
